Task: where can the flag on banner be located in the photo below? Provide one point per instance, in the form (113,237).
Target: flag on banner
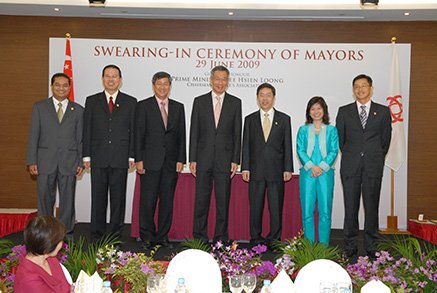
(397,152)
(68,66)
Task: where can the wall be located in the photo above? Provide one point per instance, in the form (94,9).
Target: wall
(24,71)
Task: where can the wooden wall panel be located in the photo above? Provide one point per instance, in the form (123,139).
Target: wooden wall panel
(24,70)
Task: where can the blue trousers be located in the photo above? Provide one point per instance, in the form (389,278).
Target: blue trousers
(318,189)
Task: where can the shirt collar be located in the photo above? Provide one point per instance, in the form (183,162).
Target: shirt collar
(114,96)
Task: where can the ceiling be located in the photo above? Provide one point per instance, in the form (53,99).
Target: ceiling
(338,10)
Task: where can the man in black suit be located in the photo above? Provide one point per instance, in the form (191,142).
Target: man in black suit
(364,131)
(267,163)
(108,148)
(215,144)
(160,153)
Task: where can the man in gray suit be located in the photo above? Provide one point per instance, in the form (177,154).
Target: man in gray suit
(215,144)
(55,150)
(267,163)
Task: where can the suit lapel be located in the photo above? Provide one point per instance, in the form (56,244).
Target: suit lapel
(104,102)
(68,111)
(258,125)
(210,111)
(51,109)
(171,115)
(356,115)
(275,125)
(372,115)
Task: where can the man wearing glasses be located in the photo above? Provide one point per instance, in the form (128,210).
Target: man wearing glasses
(364,131)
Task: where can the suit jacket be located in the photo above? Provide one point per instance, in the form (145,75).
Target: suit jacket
(328,144)
(371,143)
(153,143)
(267,160)
(109,138)
(213,147)
(52,144)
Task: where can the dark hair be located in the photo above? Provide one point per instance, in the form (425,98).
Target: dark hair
(43,234)
(361,76)
(321,102)
(161,75)
(59,74)
(219,68)
(111,66)
(266,85)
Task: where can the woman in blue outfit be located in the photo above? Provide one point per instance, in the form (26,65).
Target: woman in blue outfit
(317,148)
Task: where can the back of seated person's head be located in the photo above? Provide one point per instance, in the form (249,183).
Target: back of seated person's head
(43,234)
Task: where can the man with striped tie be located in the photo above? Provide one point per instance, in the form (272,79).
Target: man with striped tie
(364,131)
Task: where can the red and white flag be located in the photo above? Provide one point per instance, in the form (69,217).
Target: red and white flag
(68,67)
(397,152)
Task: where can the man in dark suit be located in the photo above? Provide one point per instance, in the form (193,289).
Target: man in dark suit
(364,131)
(160,153)
(215,144)
(108,148)
(267,163)
(55,150)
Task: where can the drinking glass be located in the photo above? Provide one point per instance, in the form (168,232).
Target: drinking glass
(153,283)
(236,284)
(343,287)
(326,287)
(249,282)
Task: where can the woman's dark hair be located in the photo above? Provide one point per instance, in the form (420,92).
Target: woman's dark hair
(321,102)
(43,234)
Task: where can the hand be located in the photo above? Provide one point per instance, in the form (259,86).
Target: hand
(316,171)
(179,167)
(193,168)
(287,176)
(234,167)
(33,169)
(87,165)
(140,168)
(79,170)
(246,176)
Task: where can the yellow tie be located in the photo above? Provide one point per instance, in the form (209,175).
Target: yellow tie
(266,126)
(60,112)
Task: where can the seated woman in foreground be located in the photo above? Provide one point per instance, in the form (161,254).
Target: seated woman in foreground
(39,270)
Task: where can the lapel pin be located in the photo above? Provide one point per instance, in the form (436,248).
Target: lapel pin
(374,113)
(276,122)
(118,105)
(72,108)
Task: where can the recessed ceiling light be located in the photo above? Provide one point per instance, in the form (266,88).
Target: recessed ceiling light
(56,9)
(406,13)
(230,13)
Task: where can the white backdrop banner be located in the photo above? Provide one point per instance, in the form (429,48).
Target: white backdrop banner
(298,71)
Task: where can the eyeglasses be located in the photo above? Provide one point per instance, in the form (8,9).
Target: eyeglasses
(358,87)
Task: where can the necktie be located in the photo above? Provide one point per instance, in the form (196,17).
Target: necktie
(217,110)
(111,105)
(266,126)
(164,114)
(363,116)
(60,112)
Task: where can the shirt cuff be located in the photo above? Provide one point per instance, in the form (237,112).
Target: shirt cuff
(324,166)
(308,165)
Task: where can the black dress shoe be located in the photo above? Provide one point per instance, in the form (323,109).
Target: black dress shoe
(371,255)
(166,244)
(147,245)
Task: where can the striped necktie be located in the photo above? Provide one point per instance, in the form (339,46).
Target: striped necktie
(363,116)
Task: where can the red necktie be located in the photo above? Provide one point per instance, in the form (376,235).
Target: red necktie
(111,105)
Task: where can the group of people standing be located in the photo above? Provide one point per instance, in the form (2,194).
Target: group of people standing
(114,133)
